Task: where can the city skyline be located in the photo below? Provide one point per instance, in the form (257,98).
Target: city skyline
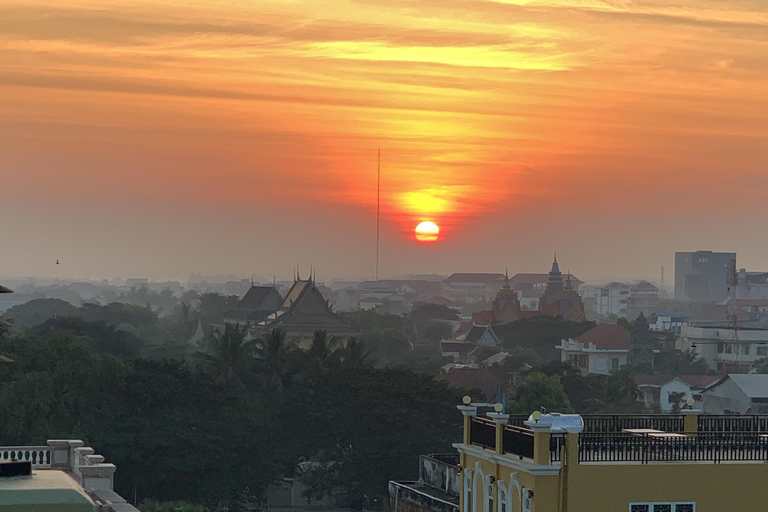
(141,139)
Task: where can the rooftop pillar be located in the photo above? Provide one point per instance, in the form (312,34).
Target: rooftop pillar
(62,451)
(468,411)
(691,421)
(500,420)
(571,448)
(541,435)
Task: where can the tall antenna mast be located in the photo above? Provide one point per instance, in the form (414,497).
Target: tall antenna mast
(378,209)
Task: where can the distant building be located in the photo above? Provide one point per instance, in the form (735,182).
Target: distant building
(462,347)
(668,321)
(560,299)
(737,394)
(601,350)
(724,348)
(643,298)
(752,285)
(668,390)
(257,303)
(703,275)
(614,300)
(303,311)
(535,284)
(505,308)
(473,287)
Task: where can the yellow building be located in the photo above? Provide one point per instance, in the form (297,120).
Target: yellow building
(570,463)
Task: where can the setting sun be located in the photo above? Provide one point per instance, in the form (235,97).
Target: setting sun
(427,232)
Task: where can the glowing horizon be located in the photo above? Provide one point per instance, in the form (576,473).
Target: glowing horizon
(520,126)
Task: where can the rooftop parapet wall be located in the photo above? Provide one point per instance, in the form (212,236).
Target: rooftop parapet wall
(84,466)
(440,471)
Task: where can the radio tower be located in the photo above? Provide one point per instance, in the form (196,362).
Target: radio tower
(378,209)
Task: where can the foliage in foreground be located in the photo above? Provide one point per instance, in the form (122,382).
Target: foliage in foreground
(219,429)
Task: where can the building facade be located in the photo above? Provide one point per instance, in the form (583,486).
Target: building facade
(704,276)
(470,288)
(601,350)
(725,349)
(568,463)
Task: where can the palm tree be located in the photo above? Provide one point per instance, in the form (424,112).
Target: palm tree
(355,353)
(274,358)
(231,355)
(324,352)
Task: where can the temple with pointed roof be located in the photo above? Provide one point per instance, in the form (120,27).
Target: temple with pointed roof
(256,305)
(303,311)
(560,298)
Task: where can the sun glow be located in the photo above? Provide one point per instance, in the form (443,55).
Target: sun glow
(427,231)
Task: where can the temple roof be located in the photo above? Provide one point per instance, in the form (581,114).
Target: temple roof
(256,298)
(522,278)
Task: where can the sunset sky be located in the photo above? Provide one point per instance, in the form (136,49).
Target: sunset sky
(153,139)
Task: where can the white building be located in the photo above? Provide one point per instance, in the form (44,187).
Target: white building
(737,394)
(667,390)
(614,299)
(724,348)
(602,349)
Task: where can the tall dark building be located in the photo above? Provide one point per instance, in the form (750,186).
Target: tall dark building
(703,275)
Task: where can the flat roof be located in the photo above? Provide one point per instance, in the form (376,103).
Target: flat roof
(49,488)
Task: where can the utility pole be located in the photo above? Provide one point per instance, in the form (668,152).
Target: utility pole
(378,210)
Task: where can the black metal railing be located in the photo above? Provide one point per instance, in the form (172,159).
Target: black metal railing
(556,442)
(713,447)
(607,423)
(518,420)
(482,432)
(517,441)
(723,423)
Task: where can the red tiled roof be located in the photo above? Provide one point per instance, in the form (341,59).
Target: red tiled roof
(483,317)
(607,337)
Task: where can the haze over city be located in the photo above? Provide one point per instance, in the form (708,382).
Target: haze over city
(154,140)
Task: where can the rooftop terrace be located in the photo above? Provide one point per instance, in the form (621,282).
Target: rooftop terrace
(603,439)
(66,475)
